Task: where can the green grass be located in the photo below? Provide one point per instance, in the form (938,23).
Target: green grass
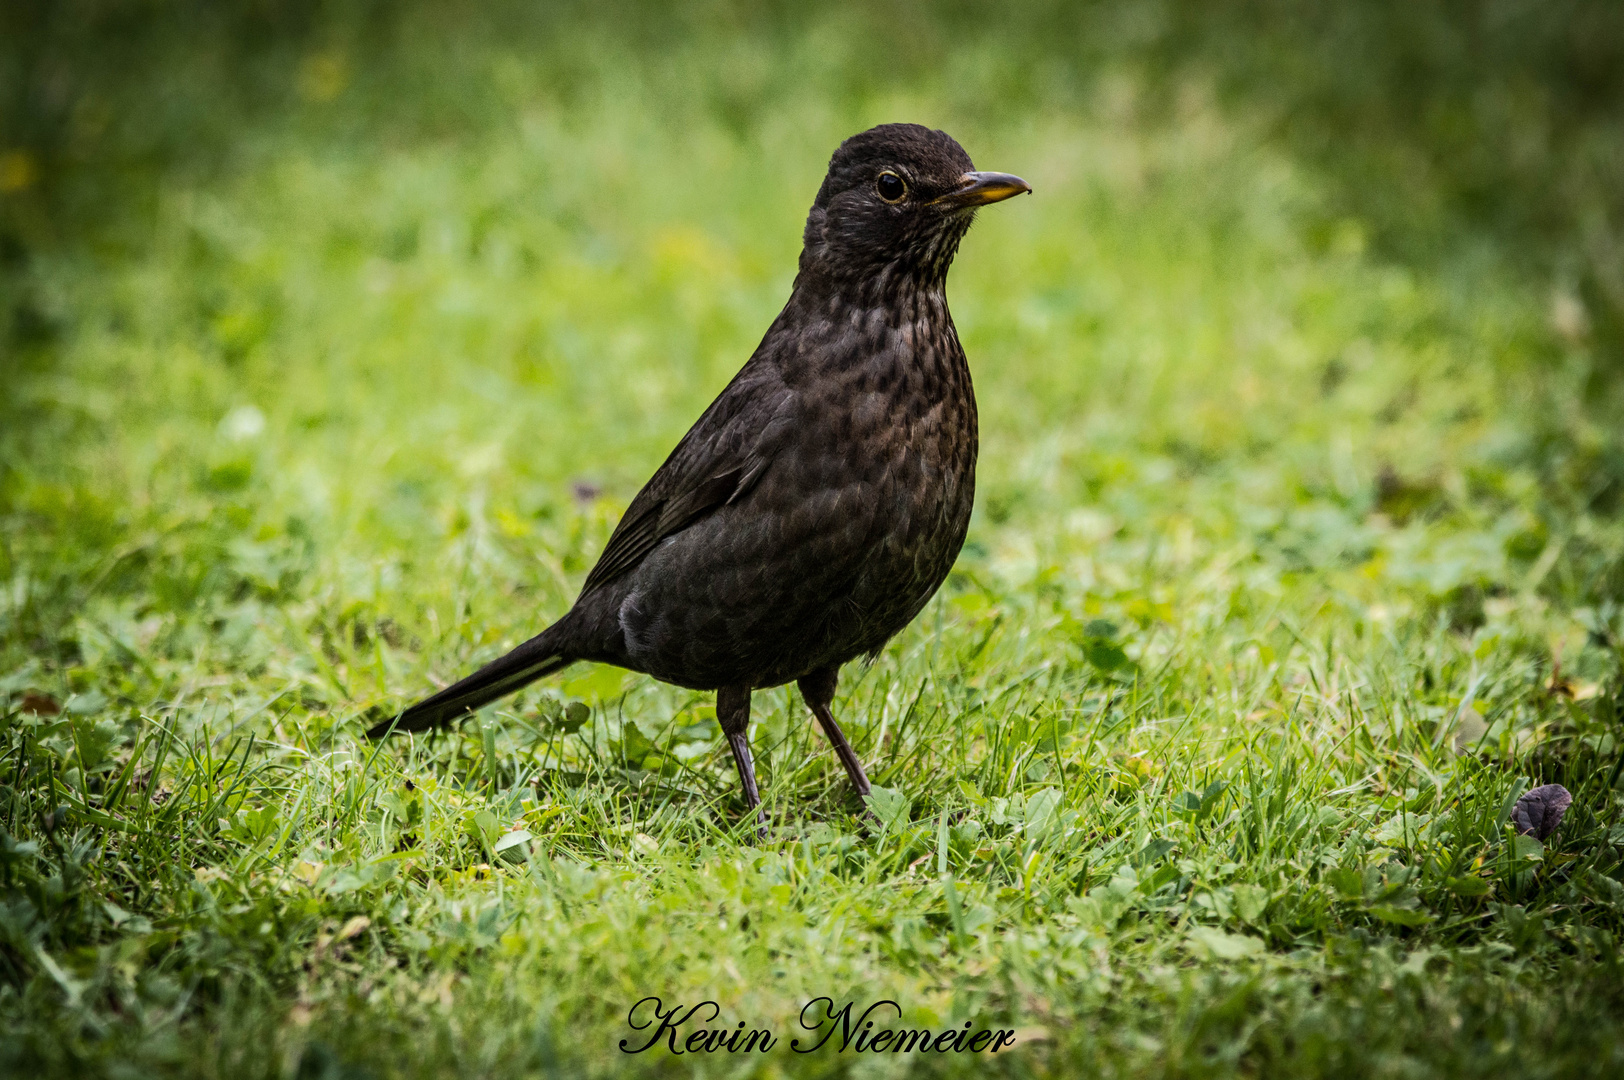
(1291,568)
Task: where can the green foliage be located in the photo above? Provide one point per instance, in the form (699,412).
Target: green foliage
(1294,564)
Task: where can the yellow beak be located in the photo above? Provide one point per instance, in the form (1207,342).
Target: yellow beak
(981,188)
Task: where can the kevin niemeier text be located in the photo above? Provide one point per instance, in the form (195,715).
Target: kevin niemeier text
(876,1029)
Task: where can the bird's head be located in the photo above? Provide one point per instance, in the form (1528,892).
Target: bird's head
(896,202)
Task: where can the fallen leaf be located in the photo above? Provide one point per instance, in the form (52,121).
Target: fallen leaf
(1540,811)
(40,704)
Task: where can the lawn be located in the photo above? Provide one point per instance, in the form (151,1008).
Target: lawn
(1296,559)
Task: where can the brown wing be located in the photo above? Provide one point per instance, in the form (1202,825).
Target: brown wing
(716,463)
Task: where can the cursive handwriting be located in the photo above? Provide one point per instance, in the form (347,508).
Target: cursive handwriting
(694,1030)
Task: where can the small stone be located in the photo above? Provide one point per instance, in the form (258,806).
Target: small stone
(1540,811)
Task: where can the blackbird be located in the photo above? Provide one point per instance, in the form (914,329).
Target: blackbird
(821,499)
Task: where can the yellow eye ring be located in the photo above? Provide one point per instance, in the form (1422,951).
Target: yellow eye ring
(891,187)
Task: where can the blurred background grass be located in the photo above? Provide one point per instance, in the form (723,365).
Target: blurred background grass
(336,336)
(1435,122)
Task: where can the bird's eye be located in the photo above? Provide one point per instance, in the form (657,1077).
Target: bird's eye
(891,187)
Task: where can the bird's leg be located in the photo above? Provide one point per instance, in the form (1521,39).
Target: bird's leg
(818,689)
(733,713)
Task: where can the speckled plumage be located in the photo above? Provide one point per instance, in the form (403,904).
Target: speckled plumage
(821,499)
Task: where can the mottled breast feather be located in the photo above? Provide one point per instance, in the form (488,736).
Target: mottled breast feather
(810,513)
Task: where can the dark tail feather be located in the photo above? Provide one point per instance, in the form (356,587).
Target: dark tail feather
(537,657)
